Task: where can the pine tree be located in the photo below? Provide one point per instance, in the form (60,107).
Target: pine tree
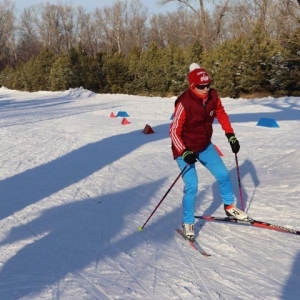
(176,70)
(154,70)
(61,74)
(38,71)
(116,70)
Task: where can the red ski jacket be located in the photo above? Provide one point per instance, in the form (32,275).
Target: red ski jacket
(192,125)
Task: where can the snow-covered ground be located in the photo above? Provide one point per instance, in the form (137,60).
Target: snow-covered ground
(75,185)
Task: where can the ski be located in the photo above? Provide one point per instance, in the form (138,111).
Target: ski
(251,222)
(195,245)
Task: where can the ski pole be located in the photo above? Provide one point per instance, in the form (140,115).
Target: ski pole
(239,180)
(162,199)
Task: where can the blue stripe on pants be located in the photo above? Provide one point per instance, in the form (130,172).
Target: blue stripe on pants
(212,161)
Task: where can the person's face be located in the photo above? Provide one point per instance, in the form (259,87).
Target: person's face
(202,89)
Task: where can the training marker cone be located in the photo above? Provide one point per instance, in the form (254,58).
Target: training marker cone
(148,129)
(125,121)
(112,115)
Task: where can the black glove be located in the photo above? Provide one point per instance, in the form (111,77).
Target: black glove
(189,157)
(234,143)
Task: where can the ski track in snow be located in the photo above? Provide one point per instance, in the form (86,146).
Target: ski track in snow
(76,185)
(257,259)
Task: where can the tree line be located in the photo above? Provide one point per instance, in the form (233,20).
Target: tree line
(247,46)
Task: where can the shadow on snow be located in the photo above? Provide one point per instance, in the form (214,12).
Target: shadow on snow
(68,238)
(289,112)
(32,185)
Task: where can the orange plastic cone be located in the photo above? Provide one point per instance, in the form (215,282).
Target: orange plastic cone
(125,121)
(112,115)
(148,129)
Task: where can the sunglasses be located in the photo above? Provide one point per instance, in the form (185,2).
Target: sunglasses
(203,86)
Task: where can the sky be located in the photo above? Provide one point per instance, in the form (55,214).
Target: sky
(77,182)
(90,5)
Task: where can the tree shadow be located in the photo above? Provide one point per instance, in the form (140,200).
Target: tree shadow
(33,103)
(31,106)
(69,237)
(290,111)
(30,186)
(291,289)
(82,234)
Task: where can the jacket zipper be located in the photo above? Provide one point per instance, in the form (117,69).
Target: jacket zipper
(207,140)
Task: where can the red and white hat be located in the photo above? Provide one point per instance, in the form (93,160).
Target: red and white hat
(197,76)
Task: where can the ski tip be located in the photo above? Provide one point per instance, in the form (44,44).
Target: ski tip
(140,228)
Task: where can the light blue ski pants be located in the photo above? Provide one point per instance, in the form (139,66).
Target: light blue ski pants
(212,161)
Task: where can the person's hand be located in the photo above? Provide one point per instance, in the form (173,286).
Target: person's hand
(234,143)
(189,157)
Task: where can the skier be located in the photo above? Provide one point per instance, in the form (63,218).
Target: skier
(191,132)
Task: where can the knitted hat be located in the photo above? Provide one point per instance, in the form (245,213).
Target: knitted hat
(197,76)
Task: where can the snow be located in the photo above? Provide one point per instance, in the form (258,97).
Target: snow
(76,184)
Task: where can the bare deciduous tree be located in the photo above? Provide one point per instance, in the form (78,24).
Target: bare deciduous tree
(7,23)
(209,29)
(67,15)
(28,42)
(56,26)
(136,26)
(199,12)
(87,33)
(111,22)
(177,28)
